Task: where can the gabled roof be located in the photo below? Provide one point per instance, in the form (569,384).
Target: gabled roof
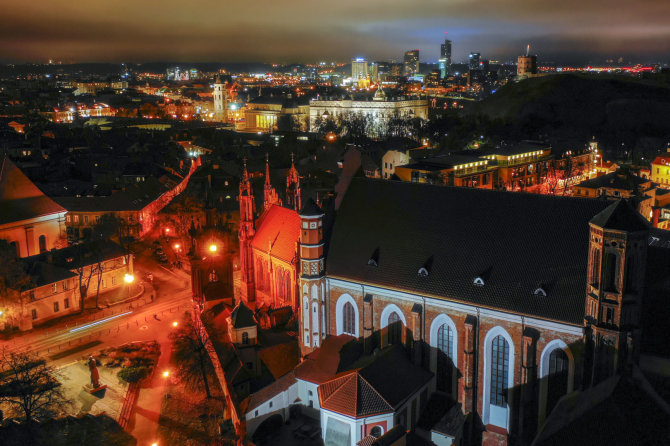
(353,396)
(620,216)
(614,180)
(336,354)
(242,316)
(20,199)
(518,239)
(371,389)
(278,233)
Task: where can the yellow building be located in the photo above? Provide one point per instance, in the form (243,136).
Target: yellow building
(450,170)
(660,170)
(268,114)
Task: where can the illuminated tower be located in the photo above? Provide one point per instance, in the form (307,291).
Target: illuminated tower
(246,234)
(411,66)
(617,258)
(312,279)
(445,58)
(293,187)
(270,196)
(219,100)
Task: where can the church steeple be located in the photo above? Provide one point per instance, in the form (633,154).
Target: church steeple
(293,199)
(246,235)
(270,196)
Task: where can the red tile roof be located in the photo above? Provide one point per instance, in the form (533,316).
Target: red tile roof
(352,395)
(278,232)
(324,363)
(281,358)
(662,159)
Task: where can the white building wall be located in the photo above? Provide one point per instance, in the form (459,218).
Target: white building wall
(390,160)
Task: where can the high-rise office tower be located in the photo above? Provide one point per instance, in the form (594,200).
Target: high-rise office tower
(373,71)
(445,58)
(475,61)
(411,63)
(359,69)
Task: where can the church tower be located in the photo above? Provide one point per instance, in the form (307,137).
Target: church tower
(293,200)
(246,234)
(617,258)
(312,279)
(270,196)
(219,100)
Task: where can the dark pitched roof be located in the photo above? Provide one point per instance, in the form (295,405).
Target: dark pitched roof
(621,216)
(43,273)
(311,208)
(622,410)
(335,354)
(614,180)
(242,316)
(518,240)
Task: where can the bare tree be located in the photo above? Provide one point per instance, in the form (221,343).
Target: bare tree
(191,356)
(29,388)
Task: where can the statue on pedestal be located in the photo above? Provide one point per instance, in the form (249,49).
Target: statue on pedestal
(95,385)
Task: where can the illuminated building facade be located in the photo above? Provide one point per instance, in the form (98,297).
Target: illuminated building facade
(381,109)
(660,170)
(445,58)
(526,66)
(411,63)
(268,114)
(359,69)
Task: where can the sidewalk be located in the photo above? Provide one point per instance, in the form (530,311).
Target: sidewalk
(144,421)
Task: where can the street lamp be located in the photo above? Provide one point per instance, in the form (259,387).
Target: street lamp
(166,374)
(212,248)
(128,278)
(175,324)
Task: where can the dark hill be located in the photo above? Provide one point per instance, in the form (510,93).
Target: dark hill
(571,107)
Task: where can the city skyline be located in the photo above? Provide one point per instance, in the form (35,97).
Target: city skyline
(202,32)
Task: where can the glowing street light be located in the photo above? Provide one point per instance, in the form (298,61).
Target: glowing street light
(177,246)
(166,374)
(212,248)
(129,278)
(175,323)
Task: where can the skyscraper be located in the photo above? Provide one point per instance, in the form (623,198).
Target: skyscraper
(475,61)
(359,69)
(411,63)
(445,58)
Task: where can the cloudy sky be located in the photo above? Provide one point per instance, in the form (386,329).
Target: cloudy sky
(313,30)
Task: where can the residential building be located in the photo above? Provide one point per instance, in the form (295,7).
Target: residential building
(613,185)
(136,206)
(392,159)
(451,170)
(660,170)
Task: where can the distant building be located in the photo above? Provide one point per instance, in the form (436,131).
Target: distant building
(359,69)
(474,61)
(381,108)
(411,63)
(526,66)
(451,170)
(29,220)
(445,58)
(392,159)
(613,186)
(268,114)
(660,170)
(220,100)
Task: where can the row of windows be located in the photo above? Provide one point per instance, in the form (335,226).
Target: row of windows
(66,305)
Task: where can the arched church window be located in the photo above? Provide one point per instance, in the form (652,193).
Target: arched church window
(394,328)
(445,338)
(499,371)
(609,271)
(245,337)
(376,431)
(557,380)
(348,319)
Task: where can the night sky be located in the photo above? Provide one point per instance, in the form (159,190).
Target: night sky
(567,31)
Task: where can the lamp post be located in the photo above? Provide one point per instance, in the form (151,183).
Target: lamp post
(129,279)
